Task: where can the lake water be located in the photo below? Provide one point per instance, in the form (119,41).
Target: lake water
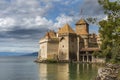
(23,68)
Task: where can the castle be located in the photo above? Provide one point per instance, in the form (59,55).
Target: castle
(70,45)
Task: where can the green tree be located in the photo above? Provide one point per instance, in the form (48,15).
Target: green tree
(110,30)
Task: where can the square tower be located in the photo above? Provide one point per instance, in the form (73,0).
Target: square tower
(82,30)
(67,43)
(82,27)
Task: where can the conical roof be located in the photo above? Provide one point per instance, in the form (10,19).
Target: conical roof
(81,21)
(50,34)
(66,29)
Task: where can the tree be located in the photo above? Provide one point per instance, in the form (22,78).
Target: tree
(110,30)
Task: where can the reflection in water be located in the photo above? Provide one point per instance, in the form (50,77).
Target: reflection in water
(82,72)
(23,68)
(67,71)
(43,71)
(53,71)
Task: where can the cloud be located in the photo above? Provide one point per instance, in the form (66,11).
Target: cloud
(24,22)
(68,2)
(21,8)
(19,49)
(92,8)
(26,29)
(62,19)
(30,28)
(6,23)
(36,23)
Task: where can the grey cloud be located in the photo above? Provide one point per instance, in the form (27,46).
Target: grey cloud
(21,40)
(23,33)
(84,9)
(22,8)
(91,7)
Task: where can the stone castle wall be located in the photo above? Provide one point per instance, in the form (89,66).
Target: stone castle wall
(52,50)
(63,48)
(43,51)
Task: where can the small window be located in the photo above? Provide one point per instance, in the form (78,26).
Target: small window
(63,46)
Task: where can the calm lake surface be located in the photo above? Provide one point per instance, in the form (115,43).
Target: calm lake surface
(23,68)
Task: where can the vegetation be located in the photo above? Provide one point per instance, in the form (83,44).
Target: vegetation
(119,74)
(110,31)
(51,61)
(98,54)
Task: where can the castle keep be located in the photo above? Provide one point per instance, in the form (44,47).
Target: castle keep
(69,45)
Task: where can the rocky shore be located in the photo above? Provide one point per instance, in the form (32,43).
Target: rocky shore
(109,72)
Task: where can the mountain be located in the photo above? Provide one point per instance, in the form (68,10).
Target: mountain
(31,54)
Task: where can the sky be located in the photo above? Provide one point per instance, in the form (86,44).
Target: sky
(24,22)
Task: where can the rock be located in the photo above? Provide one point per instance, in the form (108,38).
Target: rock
(109,72)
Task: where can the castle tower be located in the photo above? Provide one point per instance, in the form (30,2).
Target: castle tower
(67,43)
(82,30)
(82,27)
(48,46)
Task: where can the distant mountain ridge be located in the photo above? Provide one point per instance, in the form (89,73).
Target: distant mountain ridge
(31,54)
(18,54)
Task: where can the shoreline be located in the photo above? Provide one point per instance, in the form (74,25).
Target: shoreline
(66,61)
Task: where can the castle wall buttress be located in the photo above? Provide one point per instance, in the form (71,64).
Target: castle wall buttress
(63,52)
(43,51)
(68,47)
(52,50)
